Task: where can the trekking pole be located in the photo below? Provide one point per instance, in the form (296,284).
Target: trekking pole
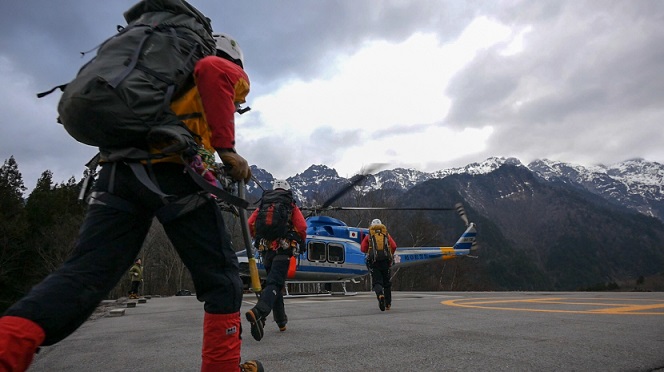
(244,223)
(92,173)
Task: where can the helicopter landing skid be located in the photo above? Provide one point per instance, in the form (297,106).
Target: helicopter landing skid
(311,289)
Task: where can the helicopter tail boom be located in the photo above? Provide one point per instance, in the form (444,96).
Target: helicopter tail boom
(406,256)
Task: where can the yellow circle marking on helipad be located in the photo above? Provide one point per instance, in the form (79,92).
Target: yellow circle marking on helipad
(623,306)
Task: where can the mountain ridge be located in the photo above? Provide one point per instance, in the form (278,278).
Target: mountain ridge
(635,184)
(547,225)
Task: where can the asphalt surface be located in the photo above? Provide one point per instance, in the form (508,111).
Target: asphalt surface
(424,331)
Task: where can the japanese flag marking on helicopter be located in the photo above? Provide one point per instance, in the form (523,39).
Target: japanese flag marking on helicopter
(353,234)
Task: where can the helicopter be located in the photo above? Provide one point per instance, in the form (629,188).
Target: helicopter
(333,253)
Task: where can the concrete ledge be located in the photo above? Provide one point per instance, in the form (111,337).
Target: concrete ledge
(131,304)
(117,312)
(142,300)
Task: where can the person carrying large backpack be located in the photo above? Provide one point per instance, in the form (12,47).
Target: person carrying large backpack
(379,248)
(122,206)
(279,230)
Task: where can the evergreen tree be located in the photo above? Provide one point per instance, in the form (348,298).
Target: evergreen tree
(11,188)
(54,217)
(13,229)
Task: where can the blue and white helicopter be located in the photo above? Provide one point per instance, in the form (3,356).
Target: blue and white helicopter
(333,252)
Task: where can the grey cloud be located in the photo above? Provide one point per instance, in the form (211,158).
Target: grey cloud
(605,56)
(600,64)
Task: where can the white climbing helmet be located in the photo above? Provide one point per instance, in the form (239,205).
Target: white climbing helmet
(230,47)
(281,184)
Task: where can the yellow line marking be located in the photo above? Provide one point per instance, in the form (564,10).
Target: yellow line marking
(619,309)
(632,308)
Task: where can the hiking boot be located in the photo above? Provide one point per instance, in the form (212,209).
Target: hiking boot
(381,302)
(257,323)
(252,366)
(281,321)
(387,307)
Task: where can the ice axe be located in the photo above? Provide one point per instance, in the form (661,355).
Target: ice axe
(244,223)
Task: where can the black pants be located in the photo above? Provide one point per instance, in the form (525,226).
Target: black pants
(272,298)
(135,284)
(380,280)
(110,239)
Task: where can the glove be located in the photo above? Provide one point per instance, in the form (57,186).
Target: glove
(292,235)
(238,166)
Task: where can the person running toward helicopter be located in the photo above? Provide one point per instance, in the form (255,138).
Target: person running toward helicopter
(117,222)
(379,248)
(279,229)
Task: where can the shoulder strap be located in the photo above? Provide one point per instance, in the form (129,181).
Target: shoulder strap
(372,247)
(220,193)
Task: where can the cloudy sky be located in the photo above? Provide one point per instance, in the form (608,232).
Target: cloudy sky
(427,85)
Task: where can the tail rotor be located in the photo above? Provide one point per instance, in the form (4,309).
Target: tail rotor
(462,213)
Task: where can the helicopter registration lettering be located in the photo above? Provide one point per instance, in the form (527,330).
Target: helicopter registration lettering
(413,257)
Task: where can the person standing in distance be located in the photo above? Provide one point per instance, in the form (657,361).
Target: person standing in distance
(136,277)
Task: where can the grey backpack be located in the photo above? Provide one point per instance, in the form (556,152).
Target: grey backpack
(122,96)
(120,100)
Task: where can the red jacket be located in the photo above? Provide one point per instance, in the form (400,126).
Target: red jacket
(297,218)
(221,84)
(209,107)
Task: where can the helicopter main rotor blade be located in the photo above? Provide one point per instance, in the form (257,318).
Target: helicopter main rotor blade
(354,181)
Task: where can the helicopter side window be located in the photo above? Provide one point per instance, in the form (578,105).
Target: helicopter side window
(335,253)
(316,251)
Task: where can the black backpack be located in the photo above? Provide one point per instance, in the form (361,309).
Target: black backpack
(121,98)
(274,215)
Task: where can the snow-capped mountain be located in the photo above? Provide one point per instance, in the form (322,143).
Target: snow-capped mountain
(635,184)
(544,226)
